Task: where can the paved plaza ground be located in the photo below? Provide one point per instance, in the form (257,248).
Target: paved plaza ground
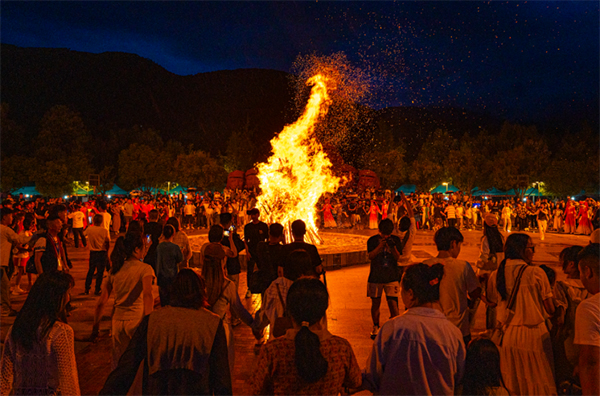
(348,314)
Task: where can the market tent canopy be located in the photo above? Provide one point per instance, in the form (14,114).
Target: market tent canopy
(442,189)
(407,188)
(533,192)
(177,190)
(493,192)
(27,191)
(116,190)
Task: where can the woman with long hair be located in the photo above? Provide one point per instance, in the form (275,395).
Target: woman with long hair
(131,279)
(307,359)
(482,370)
(526,351)
(222,294)
(490,256)
(39,351)
(419,352)
(183,345)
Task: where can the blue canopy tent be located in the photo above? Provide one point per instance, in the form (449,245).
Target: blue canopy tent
(492,192)
(116,190)
(407,189)
(443,189)
(533,192)
(177,190)
(31,191)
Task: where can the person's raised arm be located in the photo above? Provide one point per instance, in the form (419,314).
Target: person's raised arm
(407,205)
(232,245)
(378,249)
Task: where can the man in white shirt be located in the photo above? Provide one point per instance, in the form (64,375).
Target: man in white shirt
(99,238)
(587,321)
(78,218)
(459,287)
(188,211)
(128,212)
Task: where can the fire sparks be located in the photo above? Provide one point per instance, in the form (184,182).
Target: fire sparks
(298,172)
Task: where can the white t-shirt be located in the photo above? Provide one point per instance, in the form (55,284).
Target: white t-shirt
(458,280)
(97,237)
(587,322)
(128,209)
(189,209)
(127,285)
(77,219)
(534,289)
(405,257)
(106,221)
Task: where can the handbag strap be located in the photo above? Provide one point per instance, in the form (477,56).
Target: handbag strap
(513,295)
(280,297)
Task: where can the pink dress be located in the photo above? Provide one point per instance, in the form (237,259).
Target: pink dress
(328,217)
(373,211)
(570,219)
(585,225)
(384,211)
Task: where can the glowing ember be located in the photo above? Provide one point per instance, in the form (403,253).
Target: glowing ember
(298,172)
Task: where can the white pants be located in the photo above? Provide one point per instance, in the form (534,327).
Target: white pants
(542,226)
(122,332)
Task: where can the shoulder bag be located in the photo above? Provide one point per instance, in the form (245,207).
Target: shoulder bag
(283,323)
(498,333)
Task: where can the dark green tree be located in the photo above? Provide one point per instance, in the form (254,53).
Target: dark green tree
(63,145)
(431,166)
(15,173)
(139,167)
(198,169)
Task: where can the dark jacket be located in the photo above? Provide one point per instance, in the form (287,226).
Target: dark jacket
(187,356)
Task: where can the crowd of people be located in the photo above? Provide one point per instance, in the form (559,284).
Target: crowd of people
(432,211)
(542,335)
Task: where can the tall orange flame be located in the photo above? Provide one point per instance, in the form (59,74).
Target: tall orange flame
(298,172)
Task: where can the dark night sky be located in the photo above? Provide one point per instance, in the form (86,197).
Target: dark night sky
(520,60)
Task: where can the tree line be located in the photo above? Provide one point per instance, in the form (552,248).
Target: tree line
(65,151)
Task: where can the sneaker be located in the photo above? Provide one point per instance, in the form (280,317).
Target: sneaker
(248,293)
(17,291)
(374,332)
